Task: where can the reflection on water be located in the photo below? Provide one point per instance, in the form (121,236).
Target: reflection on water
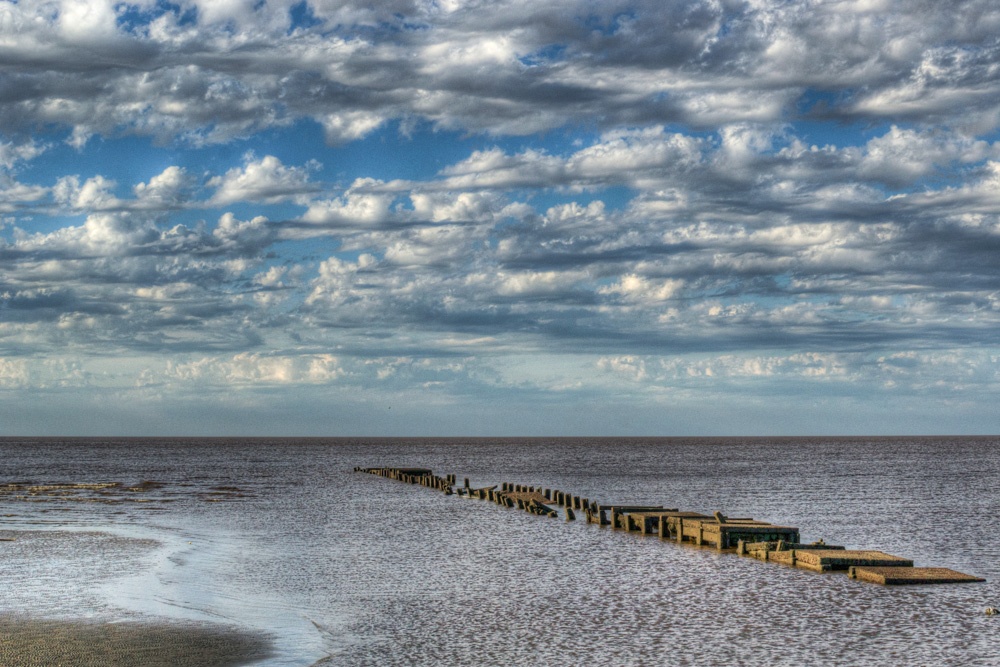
(374,572)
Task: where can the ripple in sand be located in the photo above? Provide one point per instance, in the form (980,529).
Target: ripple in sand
(26,642)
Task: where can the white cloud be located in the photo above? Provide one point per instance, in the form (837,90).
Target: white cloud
(12,154)
(334,286)
(94,194)
(631,367)
(348,126)
(902,156)
(252,369)
(234,233)
(534,283)
(167,189)
(358,207)
(13,373)
(439,245)
(633,288)
(266,180)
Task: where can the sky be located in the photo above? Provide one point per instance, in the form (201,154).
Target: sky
(503,217)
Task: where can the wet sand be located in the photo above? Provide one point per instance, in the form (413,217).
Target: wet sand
(51,588)
(31,642)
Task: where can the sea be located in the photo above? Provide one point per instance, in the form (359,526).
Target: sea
(282,538)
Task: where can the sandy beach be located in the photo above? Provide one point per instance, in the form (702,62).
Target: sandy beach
(44,643)
(61,573)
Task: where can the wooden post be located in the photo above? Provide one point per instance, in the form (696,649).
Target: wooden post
(664,531)
(569,514)
(614,518)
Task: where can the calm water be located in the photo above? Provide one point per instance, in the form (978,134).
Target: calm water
(281,537)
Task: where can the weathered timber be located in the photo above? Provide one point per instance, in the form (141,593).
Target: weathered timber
(481,494)
(526,496)
(726,535)
(651,520)
(903,576)
(761,550)
(542,509)
(597,517)
(826,560)
(634,508)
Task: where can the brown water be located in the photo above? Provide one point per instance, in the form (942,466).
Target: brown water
(282,537)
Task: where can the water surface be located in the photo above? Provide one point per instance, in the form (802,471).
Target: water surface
(281,537)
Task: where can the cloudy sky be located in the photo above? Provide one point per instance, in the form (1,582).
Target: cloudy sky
(660,217)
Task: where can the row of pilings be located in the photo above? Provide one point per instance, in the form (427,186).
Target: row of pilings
(533,500)
(748,537)
(422,476)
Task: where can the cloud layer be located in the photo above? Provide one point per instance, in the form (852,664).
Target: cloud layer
(640,204)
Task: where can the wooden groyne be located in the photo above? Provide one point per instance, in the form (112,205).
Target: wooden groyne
(742,535)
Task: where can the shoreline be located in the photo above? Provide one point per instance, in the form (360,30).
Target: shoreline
(151,579)
(70,600)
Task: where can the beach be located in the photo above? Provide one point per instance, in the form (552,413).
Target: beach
(66,622)
(29,642)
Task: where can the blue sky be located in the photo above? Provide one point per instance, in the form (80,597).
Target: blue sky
(231,217)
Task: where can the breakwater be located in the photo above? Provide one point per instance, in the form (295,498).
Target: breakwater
(744,536)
